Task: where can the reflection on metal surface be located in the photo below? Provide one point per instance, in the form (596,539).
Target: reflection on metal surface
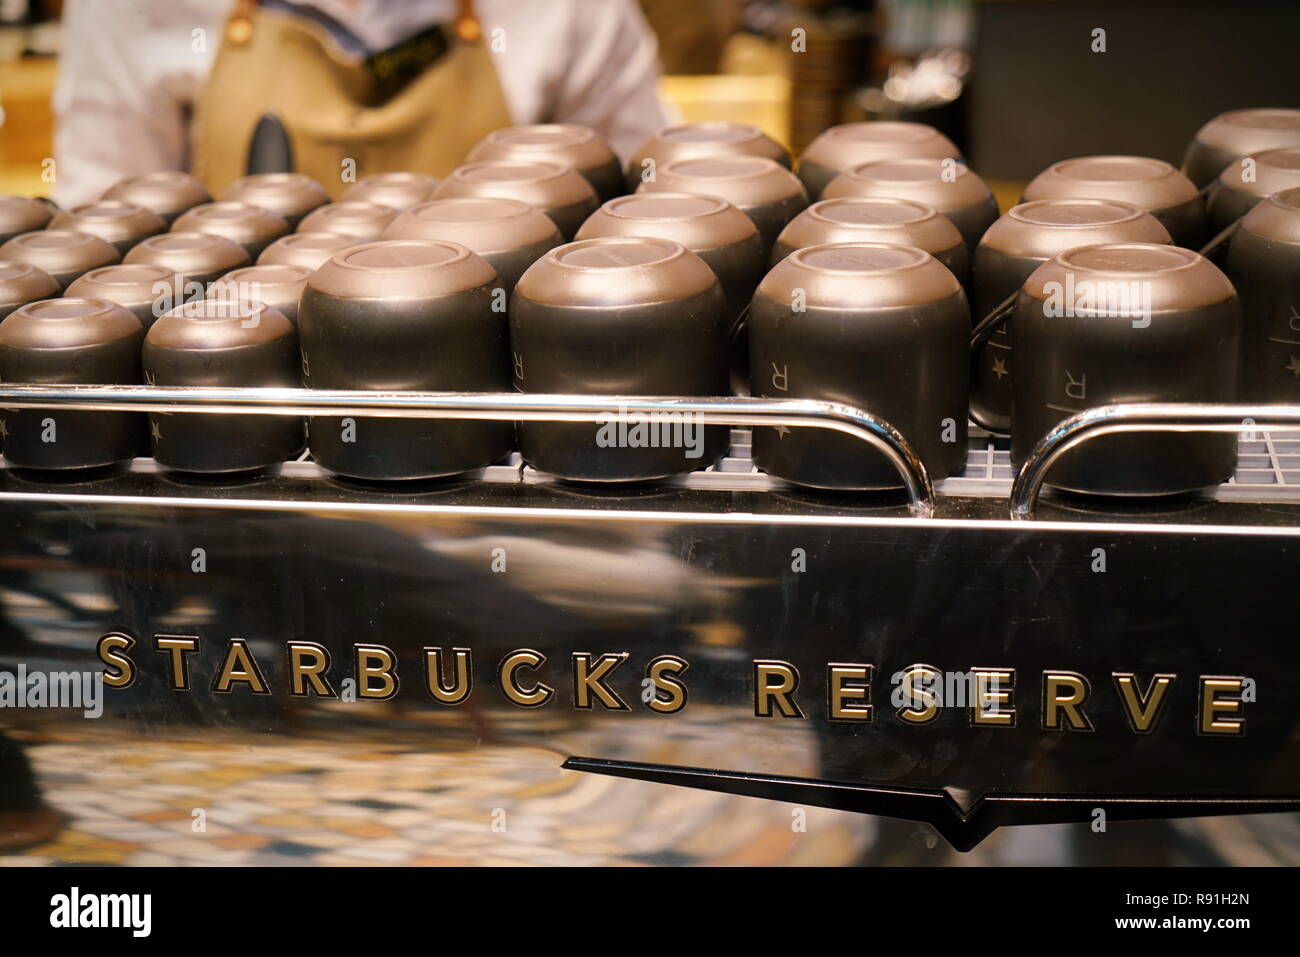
(700,575)
(963,822)
(640,625)
(391,787)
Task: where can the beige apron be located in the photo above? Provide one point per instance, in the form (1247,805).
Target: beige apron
(273,62)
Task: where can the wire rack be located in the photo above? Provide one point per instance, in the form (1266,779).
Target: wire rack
(1268,467)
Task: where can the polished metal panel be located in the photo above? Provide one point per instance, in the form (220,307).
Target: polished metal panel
(702,570)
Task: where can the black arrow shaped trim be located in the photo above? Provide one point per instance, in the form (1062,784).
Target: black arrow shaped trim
(962,829)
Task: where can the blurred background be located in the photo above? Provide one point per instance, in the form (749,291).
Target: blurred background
(1017,85)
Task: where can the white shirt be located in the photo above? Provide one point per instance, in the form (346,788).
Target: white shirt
(130,71)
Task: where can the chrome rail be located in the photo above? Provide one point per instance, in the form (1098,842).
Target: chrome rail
(1138,417)
(517,407)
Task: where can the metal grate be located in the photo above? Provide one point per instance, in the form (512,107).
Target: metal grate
(988,466)
(1267,467)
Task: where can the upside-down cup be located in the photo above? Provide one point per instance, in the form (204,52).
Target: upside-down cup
(1118,323)
(21,283)
(509,233)
(291,195)
(1150,184)
(716,231)
(252,227)
(578,147)
(198,258)
(1263,262)
(398,190)
(877,219)
(702,140)
(71,342)
(1012,248)
(768,193)
(409,315)
(116,222)
(167,193)
(1245,183)
(620,316)
(147,290)
(223,343)
(363,222)
(1230,136)
(841,148)
(277,286)
(881,327)
(719,233)
(943,184)
(22,214)
(555,189)
(62,253)
(309,250)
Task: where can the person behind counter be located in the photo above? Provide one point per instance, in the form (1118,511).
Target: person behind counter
(385,84)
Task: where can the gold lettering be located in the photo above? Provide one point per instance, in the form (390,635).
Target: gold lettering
(240,666)
(1142,708)
(462,681)
(588,680)
(1220,715)
(177,646)
(533,697)
(916,686)
(775,681)
(110,650)
(849,696)
(661,672)
(992,708)
(1064,692)
(376,662)
(308,663)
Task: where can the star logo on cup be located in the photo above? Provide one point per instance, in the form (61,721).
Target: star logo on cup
(1000,368)
(157,432)
(1293,367)
(781,431)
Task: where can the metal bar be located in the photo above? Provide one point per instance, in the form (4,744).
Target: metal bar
(513,407)
(995,320)
(1138,417)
